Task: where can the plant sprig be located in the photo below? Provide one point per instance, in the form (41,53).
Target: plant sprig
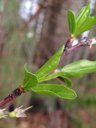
(82,22)
(36,82)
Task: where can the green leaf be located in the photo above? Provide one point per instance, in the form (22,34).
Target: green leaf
(81,19)
(88,24)
(82,22)
(50,65)
(71,21)
(60,76)
(66,80)
(49,77)
(30,80)
(57,90)
(83,13)
(79,68)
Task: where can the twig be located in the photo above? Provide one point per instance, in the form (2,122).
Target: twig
(69,47)
(17,92)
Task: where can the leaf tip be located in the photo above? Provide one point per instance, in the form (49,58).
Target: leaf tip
(75,95)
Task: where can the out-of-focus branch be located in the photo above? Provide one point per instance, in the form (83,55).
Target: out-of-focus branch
(25,24)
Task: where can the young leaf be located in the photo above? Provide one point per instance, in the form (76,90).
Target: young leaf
(88,24)
(58,74)
(79,68)
(50,65)
(83,13)
(57,90)
(81,19)
(66,80)
(30,80)
(71,21)
(49,77)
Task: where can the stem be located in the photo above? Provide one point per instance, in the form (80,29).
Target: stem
(17,92)
(69,48)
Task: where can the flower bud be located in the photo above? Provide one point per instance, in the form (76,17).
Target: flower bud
(18,112)
(3,113)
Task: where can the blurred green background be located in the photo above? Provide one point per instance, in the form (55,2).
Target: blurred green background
(30,32)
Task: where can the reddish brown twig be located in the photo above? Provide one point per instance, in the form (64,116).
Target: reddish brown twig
(17,92)
(69,48)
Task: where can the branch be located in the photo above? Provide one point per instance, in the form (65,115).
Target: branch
(17,92)
(70,47)
(33,17)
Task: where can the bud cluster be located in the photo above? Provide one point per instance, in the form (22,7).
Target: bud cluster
(16,113)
